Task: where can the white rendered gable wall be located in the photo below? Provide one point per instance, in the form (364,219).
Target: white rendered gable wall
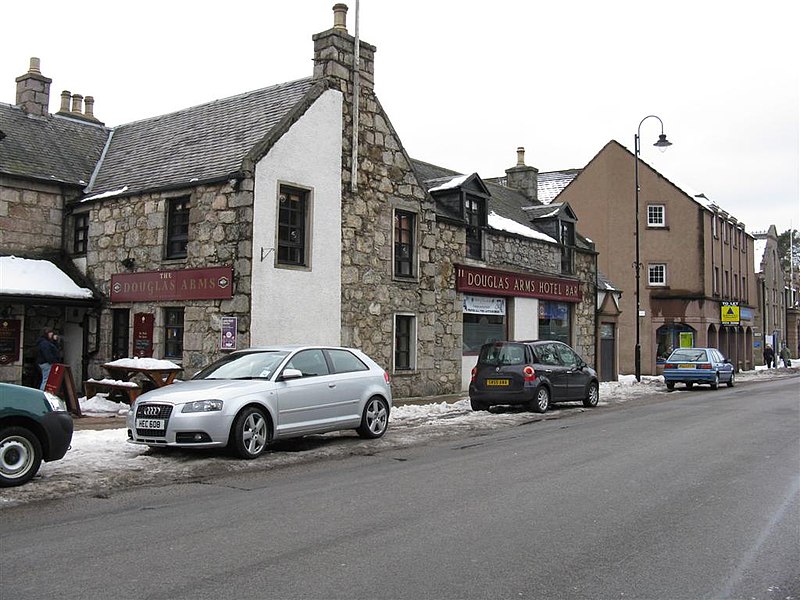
(293,305)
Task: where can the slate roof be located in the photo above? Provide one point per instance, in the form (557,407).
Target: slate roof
(550,184)
(53,148)
(202,143)
(506,202)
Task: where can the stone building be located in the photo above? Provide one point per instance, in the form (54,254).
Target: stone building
(770,313)
(289,214)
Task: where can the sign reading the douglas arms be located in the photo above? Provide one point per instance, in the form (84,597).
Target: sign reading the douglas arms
(503,283)
(215,283)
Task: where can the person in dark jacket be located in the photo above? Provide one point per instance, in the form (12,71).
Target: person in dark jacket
(769,356)
(47,353)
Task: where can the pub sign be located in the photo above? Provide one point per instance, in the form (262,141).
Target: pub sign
(214,283)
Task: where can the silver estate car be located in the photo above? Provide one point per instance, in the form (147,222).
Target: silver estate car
(251,397)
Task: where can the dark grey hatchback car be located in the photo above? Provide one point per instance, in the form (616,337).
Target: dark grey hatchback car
(535,373)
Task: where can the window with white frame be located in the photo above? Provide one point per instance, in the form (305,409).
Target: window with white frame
(405,341)
(655,215)
(657,274)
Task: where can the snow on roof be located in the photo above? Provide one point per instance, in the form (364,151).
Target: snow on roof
(453,183)
(29,277)
(107,194)
(511,226)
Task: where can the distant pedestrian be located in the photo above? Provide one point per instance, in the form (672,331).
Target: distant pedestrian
(786,357)
(769,356)
(47,353)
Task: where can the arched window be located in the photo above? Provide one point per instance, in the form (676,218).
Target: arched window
(671,336)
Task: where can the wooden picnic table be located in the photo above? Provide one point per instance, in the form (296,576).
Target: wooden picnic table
(159,376)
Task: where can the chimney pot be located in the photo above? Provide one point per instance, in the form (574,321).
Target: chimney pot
(520,156)
(35,66)
(66,96)
(77,104)
(89,110)
(340,16)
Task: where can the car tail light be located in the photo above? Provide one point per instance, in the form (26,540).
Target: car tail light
(386,378)
(669,366)
(704,366)
(528,373)
(474,373)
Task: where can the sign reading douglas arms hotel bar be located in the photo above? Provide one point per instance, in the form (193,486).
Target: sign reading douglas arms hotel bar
(214,283)
(503,283)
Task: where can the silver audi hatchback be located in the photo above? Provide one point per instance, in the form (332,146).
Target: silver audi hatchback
(251,397)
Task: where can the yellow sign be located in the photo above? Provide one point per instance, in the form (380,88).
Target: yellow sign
(729,313)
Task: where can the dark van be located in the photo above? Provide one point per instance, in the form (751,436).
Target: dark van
(535,373)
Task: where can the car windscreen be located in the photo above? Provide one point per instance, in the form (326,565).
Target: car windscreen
(687,355)
(250,365)
(502,354)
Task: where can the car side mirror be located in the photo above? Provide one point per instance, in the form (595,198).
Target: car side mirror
(291,374)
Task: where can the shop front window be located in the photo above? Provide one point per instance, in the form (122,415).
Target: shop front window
(484,322)
(554,321)
(671,336)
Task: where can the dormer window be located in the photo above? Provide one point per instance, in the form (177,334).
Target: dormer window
(567,239)
(475,216)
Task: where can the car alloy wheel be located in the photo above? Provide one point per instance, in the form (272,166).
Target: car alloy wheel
(374,419)
(251,433)
(20,456)
(592,395)
(542,400)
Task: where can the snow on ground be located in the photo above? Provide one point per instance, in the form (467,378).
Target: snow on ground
(101,461)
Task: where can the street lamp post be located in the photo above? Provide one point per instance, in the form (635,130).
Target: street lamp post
(661,144)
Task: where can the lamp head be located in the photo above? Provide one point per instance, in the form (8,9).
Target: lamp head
(663,143)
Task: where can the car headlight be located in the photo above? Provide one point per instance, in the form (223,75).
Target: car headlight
(56,403)
(202,406)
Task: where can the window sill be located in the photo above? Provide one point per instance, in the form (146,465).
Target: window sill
(405,279)
(657,227)
(404,373)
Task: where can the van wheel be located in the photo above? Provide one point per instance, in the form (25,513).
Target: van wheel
(478,405)
(542,400)
(592,395)
(20,456)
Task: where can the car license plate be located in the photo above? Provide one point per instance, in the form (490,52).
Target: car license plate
(498,382)
(150,424)
(686,366)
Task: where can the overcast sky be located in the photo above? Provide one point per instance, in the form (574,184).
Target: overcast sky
(465,81)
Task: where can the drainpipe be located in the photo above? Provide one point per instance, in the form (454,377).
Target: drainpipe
(356,92)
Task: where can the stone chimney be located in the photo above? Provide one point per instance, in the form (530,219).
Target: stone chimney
(334,54)
(523,178)
(33,91)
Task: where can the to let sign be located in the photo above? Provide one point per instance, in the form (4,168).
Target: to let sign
(503,283)
(730,313)
(214,283)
